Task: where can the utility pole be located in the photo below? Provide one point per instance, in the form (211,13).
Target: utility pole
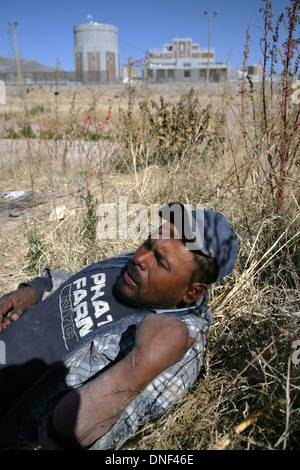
(209,37)
(17,56)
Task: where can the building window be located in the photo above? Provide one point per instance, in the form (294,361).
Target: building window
(186,74)
(93,58)
(109,58)
(78,58)
(187,64)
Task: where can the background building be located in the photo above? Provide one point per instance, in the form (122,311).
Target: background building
(253,71)
(185,61)
(96,53)
(130,74)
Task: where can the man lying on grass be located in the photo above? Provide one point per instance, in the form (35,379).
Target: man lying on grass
(100,353)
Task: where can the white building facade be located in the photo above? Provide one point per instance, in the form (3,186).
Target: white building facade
(182,60)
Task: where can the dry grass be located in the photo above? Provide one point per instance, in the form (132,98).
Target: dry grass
(247,394)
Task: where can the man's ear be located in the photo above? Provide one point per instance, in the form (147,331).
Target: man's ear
(195,292)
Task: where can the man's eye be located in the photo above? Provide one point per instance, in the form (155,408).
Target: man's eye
(149,246)
(160,263)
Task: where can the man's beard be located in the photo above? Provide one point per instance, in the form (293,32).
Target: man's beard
(134,297)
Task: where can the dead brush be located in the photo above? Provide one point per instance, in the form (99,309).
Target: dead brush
(162,134)
(274,121)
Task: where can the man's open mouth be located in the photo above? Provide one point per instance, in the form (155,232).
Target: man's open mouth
(131,278)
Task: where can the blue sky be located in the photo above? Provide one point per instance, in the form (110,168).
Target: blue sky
(45,28)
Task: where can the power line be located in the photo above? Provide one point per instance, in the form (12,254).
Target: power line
(132,45)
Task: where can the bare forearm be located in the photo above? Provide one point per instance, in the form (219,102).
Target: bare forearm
(87,413)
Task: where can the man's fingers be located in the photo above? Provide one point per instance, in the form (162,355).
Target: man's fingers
(15,314)
(14,304)
(4,322)
(5,306)
(7,309)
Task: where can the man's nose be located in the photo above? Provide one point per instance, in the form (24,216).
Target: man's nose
(142,258)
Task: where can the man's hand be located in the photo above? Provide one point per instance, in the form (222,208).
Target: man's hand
(15,304)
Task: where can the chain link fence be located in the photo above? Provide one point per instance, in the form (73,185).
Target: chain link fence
(60,77)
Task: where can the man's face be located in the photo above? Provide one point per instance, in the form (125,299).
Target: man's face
(159,274)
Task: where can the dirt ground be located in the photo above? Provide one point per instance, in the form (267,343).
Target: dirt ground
(46,95)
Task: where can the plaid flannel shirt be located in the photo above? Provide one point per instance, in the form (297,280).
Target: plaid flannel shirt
(100,349)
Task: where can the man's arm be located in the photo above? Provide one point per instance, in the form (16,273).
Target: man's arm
(87,413)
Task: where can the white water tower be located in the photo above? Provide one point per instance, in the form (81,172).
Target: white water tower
(96,52)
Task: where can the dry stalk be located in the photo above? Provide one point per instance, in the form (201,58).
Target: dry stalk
(226,440)
(256,266)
